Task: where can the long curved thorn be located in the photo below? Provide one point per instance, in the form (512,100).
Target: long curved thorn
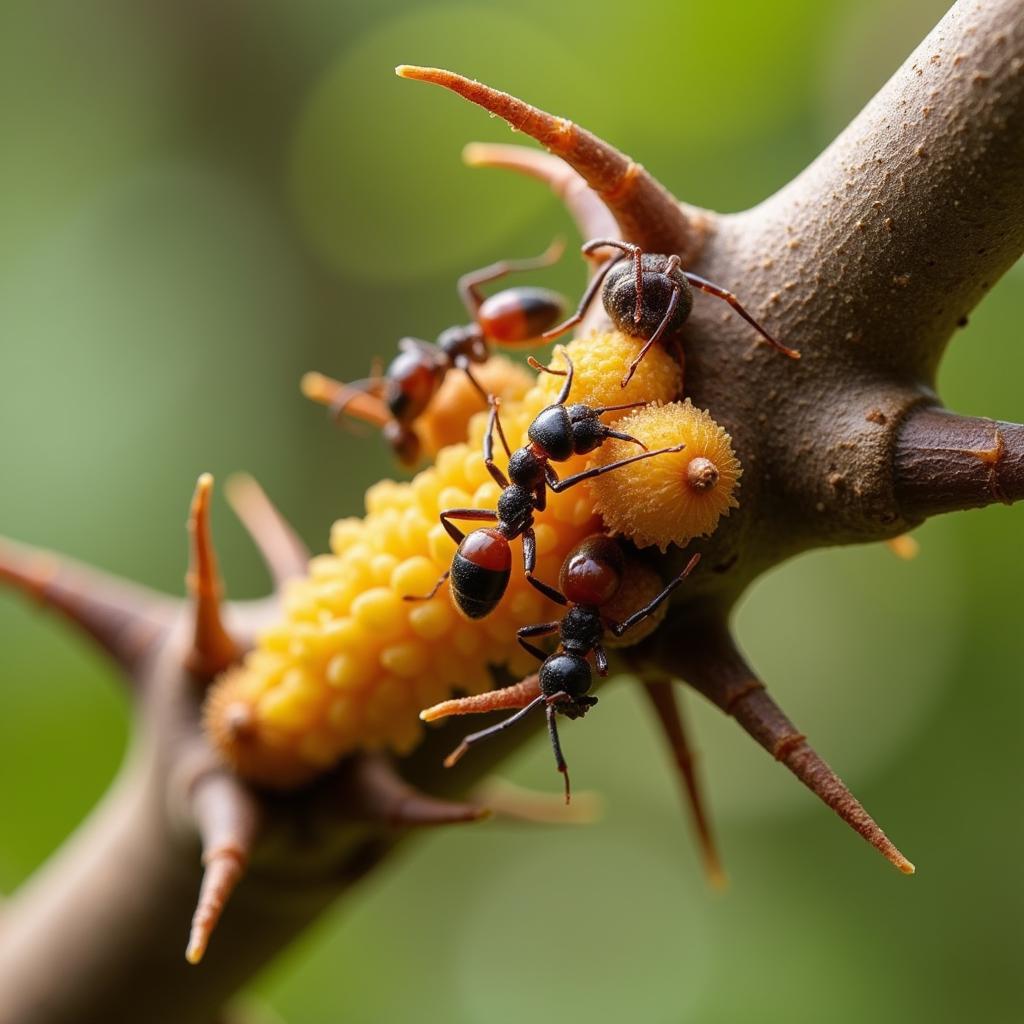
(347,399)
(669,715)
(122,617)
(509,698)
(281,547)
(720,673)
(591,216)
(212,650)
(227,818)
(375,792)
(644,210)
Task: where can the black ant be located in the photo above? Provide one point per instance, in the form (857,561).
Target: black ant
(649,296)
(591,576)
(482,564)
(394,400)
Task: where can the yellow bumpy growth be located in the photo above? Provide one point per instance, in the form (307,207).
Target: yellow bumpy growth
(352,662)
(675,497)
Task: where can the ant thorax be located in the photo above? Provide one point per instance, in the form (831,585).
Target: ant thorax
(619,296)
(581,629)
(515,510)
(526,467)
(467,342)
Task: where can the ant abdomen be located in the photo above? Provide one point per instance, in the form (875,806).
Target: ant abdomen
(480,572)
(518,316)
(660,279)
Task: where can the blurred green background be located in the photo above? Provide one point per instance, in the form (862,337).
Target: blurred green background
(200,201)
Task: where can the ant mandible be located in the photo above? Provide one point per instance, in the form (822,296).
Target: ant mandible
(393,401)
(591,576)
(482,564)
(649,296)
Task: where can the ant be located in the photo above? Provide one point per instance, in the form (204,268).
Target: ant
(591,576)
(482,564)
(649,298)
(394,400)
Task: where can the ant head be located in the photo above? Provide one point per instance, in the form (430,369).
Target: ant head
(592,572)
(552,432)
(588,432)
(620,296)
(518,315)
(404,442)
(466,341)
(565,673)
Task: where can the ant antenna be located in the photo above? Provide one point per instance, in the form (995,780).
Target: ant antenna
(567,374)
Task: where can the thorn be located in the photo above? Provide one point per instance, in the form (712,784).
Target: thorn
(592,217)
(518,695)
(282,549)
(669,714)
(213,650)
(377,793)
(227,819)
(645,211)
(123,618)
(517,803)
(718,671)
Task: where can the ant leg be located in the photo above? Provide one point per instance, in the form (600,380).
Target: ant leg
(481,515)
(619,436)
(516,696)
(618,628)
(542,629)
(673,303)
(494,420)
(601,660)
(617,408)
(463,364)
(721,293)
(588,296)
(588,474)
(529,561)
(476,737)
(555,745)
(469,284)
(433,590)
(567,374)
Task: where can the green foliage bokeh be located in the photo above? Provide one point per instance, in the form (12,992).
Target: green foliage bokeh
(200,202)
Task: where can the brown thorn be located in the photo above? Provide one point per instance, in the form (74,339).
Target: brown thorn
(668,712)
(713,666)
(592,217)
(515,803)
(518,695)
(122,617)
(376,792)
(345,399)
(213,650)
(227,818)
(282,549)
(644,210)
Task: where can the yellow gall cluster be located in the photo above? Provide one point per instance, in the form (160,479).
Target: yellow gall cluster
(444,421)
(352,662)
(600,360)
(674,497)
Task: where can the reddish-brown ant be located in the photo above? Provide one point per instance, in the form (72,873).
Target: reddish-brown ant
(591,576)
(482,564)
(649,296)
(393,401)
